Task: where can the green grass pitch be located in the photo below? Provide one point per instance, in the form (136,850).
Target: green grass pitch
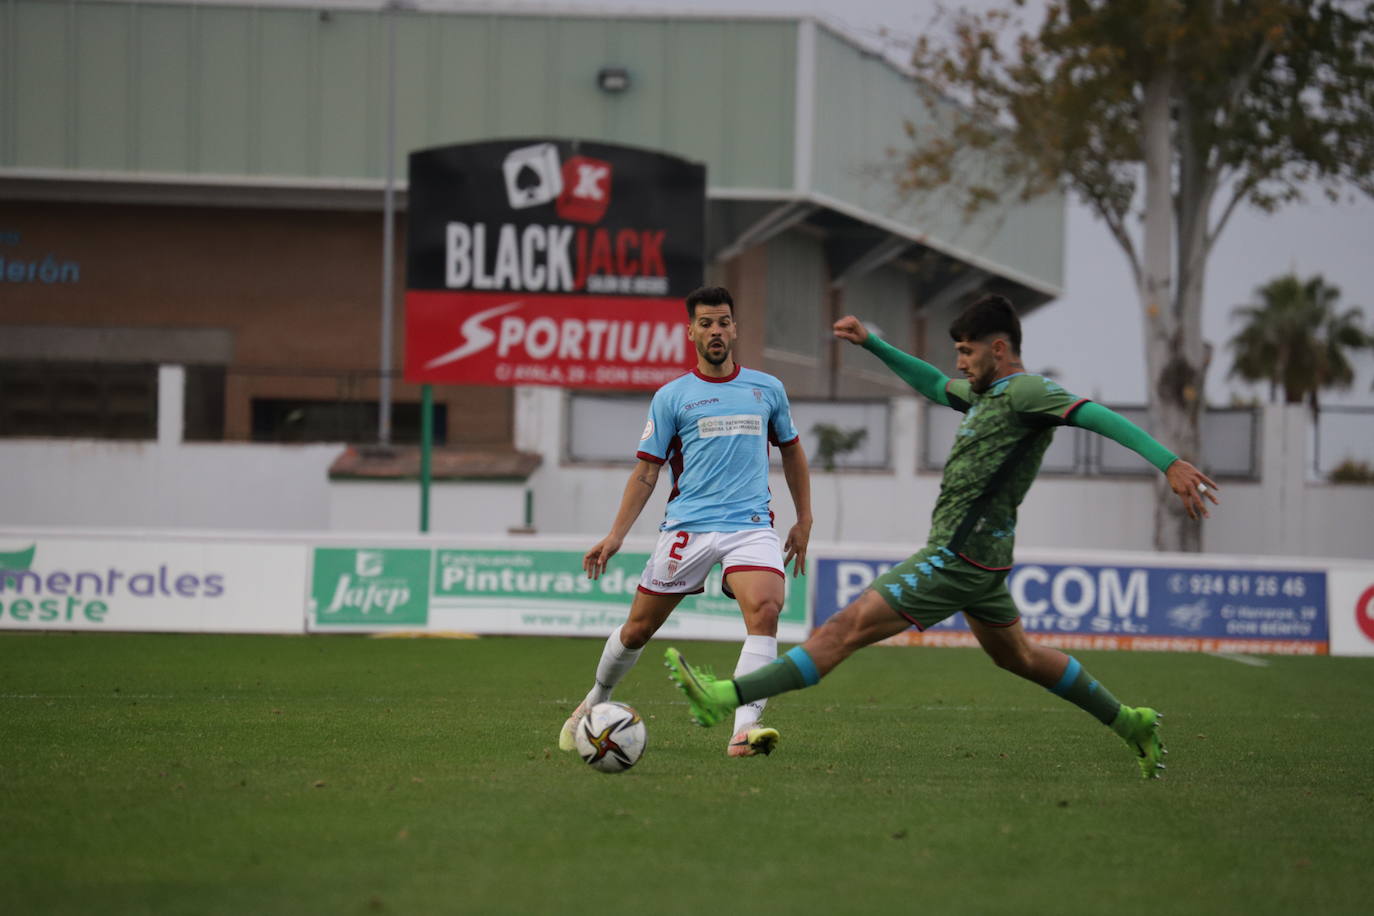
(263,775)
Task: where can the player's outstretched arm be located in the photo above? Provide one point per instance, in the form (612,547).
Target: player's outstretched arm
(638,489)
(1187,481)
(917,373)
(798,476)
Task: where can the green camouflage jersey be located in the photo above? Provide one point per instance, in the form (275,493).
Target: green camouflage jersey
(996,455)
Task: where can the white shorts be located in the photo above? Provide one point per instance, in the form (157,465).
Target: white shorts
(682,559)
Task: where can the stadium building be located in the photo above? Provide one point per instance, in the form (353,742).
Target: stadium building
(203,185)
(192,201)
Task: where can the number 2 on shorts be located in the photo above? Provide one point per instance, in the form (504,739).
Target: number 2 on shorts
(678,544)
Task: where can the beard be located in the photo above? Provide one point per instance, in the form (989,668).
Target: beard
(714,357)
(982,381)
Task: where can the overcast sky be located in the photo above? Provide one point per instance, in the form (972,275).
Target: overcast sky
(1092,335)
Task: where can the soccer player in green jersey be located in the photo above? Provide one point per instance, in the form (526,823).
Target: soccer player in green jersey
(1009,418)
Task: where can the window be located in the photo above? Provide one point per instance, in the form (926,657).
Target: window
(203,410)
(871,450)
(796,321)
(78,400)
(298,420)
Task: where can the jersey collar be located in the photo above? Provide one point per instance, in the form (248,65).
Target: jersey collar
(717,381)
(1002,382)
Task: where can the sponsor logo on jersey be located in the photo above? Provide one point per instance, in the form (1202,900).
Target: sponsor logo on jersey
(736,425)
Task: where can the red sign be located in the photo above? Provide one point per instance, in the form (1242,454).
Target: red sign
(513,339)
(586,190)
(551,262)
(1364,613)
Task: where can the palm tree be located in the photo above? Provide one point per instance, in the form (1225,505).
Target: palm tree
(1297,339)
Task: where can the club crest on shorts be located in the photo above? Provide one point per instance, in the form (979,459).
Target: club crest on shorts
(672,568)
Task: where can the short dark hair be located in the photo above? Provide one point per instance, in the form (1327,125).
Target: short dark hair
(989,316)
(709,295)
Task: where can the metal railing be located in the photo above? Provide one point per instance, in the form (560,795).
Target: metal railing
(1230,445)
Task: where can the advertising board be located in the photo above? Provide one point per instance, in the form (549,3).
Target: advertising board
(535,590)
(53,582)
(1127,606)
(1352,611)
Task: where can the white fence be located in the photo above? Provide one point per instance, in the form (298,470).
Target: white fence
(171,484)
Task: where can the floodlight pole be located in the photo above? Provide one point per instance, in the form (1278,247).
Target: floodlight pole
(388,231)
(426,450)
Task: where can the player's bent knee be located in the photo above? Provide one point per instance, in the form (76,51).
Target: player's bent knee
(767,612)
(1015,662)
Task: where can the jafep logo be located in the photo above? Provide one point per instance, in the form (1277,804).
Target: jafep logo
(370,587)
(580,187)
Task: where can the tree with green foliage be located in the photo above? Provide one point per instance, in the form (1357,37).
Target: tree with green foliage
(1163,116)
(833,443)
(1298,340)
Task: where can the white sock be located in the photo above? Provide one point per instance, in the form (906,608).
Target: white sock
(756,652)
(616,662)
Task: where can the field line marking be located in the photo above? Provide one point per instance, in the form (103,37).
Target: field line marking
(1242,659)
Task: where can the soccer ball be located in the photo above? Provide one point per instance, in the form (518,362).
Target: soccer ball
(611,737)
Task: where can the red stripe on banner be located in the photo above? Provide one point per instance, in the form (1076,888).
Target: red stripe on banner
(463,338)
(957,638)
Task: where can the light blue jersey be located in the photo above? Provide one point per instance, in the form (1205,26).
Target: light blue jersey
(714,434)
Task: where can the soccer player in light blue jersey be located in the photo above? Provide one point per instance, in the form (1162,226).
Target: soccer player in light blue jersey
(713,428)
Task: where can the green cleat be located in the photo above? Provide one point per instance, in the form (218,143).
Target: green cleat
(1144,740)
(710,699)
(752,741)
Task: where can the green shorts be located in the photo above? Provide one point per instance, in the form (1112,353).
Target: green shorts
(936,583)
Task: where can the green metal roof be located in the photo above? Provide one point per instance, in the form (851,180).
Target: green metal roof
(284,97)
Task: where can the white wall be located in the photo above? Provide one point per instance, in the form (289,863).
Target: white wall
(286,488)
(104,484)
(454,508)
(1283,514)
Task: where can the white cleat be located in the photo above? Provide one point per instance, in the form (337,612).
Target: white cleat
(567,740)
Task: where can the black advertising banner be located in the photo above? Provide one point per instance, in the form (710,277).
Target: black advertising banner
(554,262)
